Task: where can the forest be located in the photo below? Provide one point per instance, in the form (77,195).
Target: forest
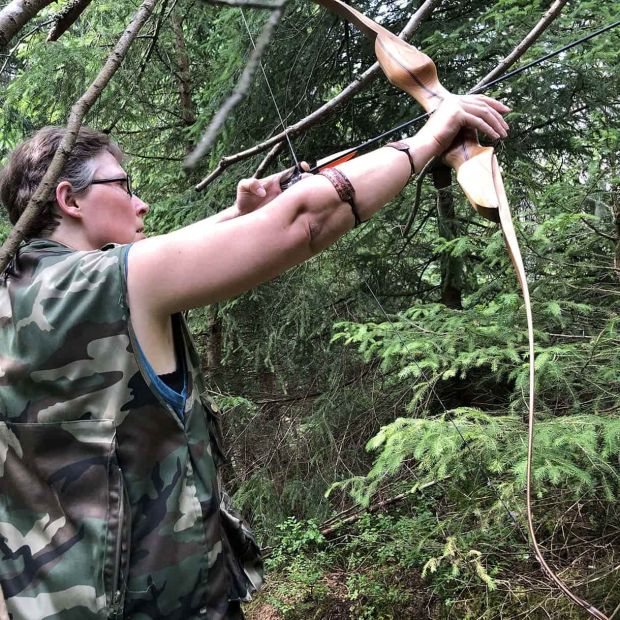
(375,398)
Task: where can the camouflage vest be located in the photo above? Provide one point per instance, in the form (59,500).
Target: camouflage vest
(110,501)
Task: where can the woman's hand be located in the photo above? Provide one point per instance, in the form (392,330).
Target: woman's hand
(458,112)
(252,194)
(255,193)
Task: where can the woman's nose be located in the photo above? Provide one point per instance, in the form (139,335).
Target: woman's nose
(142,208)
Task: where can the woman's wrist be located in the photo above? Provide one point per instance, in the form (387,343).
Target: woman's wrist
(423,148)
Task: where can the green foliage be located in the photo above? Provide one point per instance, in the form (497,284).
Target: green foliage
(374,576)
(320,390)
(294,537)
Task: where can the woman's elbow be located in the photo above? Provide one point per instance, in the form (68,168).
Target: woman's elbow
(316,220)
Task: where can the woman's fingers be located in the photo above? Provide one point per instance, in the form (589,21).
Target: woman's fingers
(494,103)
(490,116)
(477,122)
(251,186)
(488,113)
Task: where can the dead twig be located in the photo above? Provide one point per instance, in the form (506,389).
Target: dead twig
(143,64)
(273,153)
(599,232)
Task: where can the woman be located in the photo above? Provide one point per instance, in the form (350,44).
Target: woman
(110,503)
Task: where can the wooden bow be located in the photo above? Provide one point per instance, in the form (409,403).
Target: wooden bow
(478,174)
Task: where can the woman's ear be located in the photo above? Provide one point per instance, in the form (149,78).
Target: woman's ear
(65,199)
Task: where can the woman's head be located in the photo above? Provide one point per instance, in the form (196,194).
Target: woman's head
(29,161)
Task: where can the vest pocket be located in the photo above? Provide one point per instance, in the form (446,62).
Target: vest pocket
(61,518)
(118,544)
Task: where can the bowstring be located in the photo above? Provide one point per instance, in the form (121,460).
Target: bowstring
(402,341)
(582,603)
(273,99)
(577,600)
(465,443)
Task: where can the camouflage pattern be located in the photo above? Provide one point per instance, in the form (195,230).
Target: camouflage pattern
(110,503)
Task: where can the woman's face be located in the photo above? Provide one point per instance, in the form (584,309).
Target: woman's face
(109,213)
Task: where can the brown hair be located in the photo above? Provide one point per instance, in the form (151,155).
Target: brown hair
(29,162)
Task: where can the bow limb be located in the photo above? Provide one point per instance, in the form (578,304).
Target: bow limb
(415,73)
(517,261)
(479,176)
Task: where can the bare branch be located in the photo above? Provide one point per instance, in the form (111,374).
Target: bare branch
(528,41)
(78,111)
(66,18)
(600,233)
(239,93)
(326,109)
(273,153)
(15,15)
(143,63)
(158,25)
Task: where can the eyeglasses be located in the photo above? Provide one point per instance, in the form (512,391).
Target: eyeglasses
(125,181)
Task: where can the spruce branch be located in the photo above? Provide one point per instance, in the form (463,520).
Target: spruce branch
(19,41)
(78,111)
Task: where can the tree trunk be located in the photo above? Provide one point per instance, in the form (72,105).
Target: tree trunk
(213,340)
(616,211)
(451,266)
(15,15)
(188,110)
